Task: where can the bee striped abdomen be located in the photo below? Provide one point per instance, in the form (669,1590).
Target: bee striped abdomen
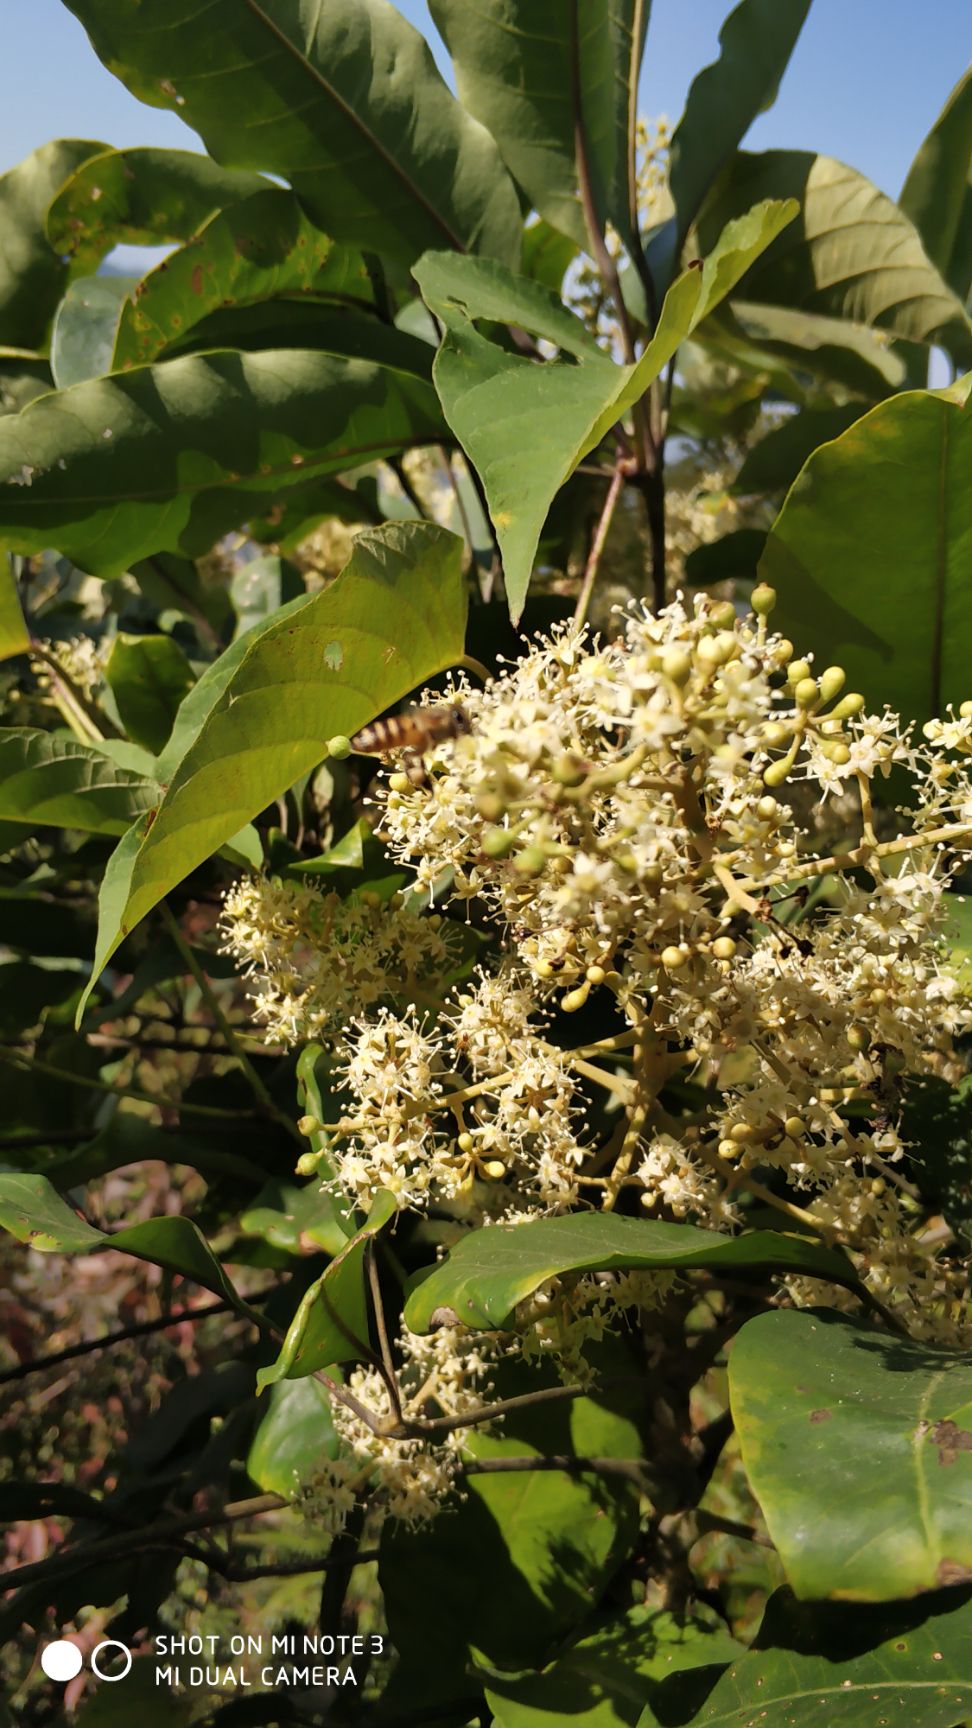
(417,730)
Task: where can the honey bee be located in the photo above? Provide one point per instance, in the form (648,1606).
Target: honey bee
(412,733)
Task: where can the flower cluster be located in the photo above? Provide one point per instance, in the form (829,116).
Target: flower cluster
(626,818)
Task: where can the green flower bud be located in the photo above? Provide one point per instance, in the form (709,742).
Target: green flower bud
(530,862)
(499,842)
(832,682)
(797,670)
(836,752)
(339,747)
(806,693)
(309,1125)
(309,1163)
(569,770)
(723,616)
(763,599)
(848,706)
(677,665)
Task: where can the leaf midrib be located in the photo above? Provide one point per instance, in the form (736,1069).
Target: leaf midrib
(355,119)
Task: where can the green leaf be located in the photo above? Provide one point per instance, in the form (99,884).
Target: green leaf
(755,44)
(732,558)
(816,1663)
(49,780)
(937,195)
(260,248)
(858,1447)
(345,103)
(168,457)
(499,404)
(852,253)
(520,1563)
(516,65)
(871,554)
(289,1215)
(149,676)
(295,1435)
(323,667)
(546,255)
(139,197)
(33,1211)
(774,463)
(836,350)
(32,276)
(83,337)
(490,1271)
(603,1680)
(14,634)
(331,1323)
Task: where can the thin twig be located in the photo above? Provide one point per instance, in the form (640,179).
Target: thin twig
(632,1468)
(597,545)
(142,1329)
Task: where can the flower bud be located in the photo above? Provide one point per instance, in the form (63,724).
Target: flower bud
(339,747)
(595,974)
(308,1163)
(797,670)
(499,842)
(723,616)
(848,706)
(763,599)
(858,1036)
(575,999)
(728,1149)
(530,862)
(775,733)
(837,752)
(309,1125)
(569,770)
(490,806)
(806,692)
(673,958)
(767,809)
(794,1127)
(677,665)
(398,782)
(965,710)
(495,1169)
(723,948)
(465,1142)
(832,682)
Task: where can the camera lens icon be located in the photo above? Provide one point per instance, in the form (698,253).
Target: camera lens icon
(63,1661)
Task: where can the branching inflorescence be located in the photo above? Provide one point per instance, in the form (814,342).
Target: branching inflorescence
(637,824)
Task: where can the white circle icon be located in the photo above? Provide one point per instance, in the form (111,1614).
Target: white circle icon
(61,1660)
(110,1644)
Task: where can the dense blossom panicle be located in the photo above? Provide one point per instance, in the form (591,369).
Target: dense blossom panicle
(671,832)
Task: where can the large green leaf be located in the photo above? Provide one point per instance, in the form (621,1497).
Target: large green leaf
(500,403)
(871,553)
(787,344)
(530,70)
(83,337)
(816,1664)
(521,1561)
(50,780)
(32,275)
(774,463)
(170,456)
(296,1434)
(490,1271)
(755,44)
(858,1446)
(937,195)
(331,1323)
(139,197)
(602,1681)
(345,102)
(148,676)
(852,253)
(323,667)
(14,634)
(33,1211)
(261,247)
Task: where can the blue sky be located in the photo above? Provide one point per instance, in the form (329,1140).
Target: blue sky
(865,84)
